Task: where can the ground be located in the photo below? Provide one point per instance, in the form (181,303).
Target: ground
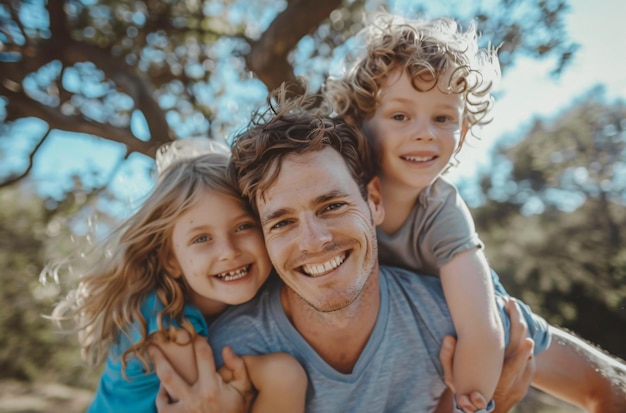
(19,397)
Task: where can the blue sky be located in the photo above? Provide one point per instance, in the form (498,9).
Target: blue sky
(527,91)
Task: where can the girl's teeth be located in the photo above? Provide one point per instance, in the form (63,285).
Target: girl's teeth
(234,275)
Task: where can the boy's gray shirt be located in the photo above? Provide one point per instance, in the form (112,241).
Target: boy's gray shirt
(398,370)
(439,226)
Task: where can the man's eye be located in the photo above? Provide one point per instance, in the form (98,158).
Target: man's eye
(279,225)
(334,206)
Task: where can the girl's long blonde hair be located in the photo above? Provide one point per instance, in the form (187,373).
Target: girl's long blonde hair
(135,261)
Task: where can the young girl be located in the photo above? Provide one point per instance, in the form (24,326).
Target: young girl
(416,92)
(190,251)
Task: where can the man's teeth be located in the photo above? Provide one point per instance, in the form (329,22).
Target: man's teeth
(315,270)
(419,158)
(234,275)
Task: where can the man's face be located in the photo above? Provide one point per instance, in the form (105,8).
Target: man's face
(319,231)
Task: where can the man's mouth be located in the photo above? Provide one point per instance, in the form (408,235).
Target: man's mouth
(316,270)
(419,158)
(234,274)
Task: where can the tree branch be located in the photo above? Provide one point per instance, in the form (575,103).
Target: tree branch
(268,56)
(14,178)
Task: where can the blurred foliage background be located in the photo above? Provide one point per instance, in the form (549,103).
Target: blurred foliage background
(136,74)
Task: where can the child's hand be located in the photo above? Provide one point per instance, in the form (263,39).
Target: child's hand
(472,402)
(235,374)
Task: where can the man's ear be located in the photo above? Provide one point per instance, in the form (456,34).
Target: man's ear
(375,201)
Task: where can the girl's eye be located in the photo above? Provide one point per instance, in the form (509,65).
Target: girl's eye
(245,226)
(200,239)
(443,119)
(399,116)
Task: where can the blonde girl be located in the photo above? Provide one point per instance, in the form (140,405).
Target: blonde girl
(190,251)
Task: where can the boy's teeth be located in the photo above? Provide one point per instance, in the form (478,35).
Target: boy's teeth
(234,275)
(319,269)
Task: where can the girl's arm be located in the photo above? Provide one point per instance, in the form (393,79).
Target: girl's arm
(279,380)
(281,383)
(467,286)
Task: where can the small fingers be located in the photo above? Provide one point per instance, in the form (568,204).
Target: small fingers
(478,400)
(463,402)
(234,363)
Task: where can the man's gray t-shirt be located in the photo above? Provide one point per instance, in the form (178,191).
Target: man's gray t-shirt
(398,370)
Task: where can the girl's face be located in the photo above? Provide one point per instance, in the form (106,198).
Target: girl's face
(414,133)
(219,249)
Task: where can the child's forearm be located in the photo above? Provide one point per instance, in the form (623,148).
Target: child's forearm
(280,381)
(468,289)
(478,362)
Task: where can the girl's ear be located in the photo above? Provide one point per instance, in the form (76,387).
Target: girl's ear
(375,200)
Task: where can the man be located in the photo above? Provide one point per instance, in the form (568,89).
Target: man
(369,336)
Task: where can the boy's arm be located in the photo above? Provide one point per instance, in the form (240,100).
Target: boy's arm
(468,289)
(280,381)
(517,370)
(577,372)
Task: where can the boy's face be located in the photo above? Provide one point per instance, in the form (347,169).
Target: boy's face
(414,134)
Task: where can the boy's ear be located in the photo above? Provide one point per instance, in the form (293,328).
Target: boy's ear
(375,200)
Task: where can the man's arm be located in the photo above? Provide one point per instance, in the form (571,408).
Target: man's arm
(213,392)
(579,373)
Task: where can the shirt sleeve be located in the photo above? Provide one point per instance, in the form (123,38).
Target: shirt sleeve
(151,308)
(448,225)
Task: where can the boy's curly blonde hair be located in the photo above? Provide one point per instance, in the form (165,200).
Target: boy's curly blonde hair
(426,50)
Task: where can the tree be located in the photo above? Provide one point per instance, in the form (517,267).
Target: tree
(30,234)
(563,200)
(143,72)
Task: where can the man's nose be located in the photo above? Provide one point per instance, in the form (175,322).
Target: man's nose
(313,233)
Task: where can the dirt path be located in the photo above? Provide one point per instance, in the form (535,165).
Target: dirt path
(19,397)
